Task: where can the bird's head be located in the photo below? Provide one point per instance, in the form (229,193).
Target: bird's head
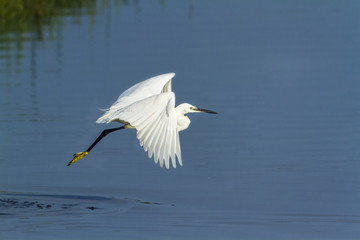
(185,108)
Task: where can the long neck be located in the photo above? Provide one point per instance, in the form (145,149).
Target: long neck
(183,121)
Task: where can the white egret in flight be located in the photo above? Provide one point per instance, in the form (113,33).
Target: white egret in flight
(149,107)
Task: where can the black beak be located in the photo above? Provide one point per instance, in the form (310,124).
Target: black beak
(205,110)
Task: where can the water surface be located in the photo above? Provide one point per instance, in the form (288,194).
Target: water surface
(279,161)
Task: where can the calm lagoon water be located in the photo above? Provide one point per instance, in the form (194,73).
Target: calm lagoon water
(279,161)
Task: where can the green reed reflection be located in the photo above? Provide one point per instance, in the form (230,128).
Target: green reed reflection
(21,16)
(24,21)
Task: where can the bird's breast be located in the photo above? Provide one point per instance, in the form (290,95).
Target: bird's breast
(183,123)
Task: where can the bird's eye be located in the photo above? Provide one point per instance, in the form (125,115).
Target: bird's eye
(191,108)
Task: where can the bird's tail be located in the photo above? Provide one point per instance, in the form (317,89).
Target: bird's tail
(105,118)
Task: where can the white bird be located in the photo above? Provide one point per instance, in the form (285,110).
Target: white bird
(149,107)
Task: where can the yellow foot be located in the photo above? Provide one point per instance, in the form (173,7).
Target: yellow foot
(78,156)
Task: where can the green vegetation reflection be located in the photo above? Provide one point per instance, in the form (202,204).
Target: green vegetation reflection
(31,21)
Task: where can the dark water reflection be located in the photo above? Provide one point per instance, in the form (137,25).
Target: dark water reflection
(279,161)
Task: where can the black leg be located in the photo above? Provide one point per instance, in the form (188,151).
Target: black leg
(102,135)
(80,155)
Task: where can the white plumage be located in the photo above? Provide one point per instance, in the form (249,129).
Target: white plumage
(148,88)
(149,106)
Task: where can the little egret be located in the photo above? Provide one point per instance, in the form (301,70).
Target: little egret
(149,107)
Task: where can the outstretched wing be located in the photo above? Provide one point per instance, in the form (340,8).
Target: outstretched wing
(155,121)
(142,90)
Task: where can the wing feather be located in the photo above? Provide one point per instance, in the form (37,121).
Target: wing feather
(155,121)
(165,146)
(151,142)
(156,147)
(178,149)
(149,106)
(147,88)
(173,148)
(148,128)
(167,139)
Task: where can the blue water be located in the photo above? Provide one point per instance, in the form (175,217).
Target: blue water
(279,161)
